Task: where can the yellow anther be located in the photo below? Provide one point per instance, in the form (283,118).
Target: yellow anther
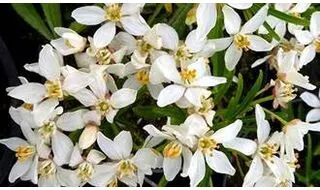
(54,89)
(104,56)
(126,168)
(68,43)
(268,150)
(143,46)
(242,42)
(143,77)
(207,144)
(47,129)
(113,12)
(24,152)
(103,106)
(85,171)
(172,150)
(316,44)
(113,183)
(47,168)
(183,54)
(188,75)
(27,106)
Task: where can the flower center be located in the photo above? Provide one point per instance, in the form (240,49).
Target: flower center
(68,43)
(207,144)
(268,150)
(143,46)
(284,183)
(47,129)
(172,150)
(47,168)
(104,56)
(54,89)
(85,171)
(24,152)
(126,168)
(242,42)
(284,92)
(188,75)
(316,44)
(103,106)
(113,12)
(113,183)
(183,53)
(27,106)
(143,77)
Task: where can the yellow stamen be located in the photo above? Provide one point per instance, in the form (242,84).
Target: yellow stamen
(54,89)
(172,150)
(188,75)
(144,47)
(316,44)
(47,129)
(268,150)
(24,152)
(104,56)
(113,183)
(47,168)
(207,144)
(113,12)
(143,77)
(103,107)
(85,171)
(126,168)
(242,42)
(183,54)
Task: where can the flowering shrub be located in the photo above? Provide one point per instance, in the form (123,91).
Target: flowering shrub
(142,97)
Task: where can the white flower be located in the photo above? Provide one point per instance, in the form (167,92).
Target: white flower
(206,149)
(179,141)
(282,93)
(27,153)
(69,43)
(126,15)
(48,173)
(267,147)
(241,37)
(312,101)
(287,71)
(129,169)
(89,120)
(310,39)
(205,110)
(48,66)
(190,83)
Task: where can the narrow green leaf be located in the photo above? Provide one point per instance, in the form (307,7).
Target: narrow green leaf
(178,19)
(31,16)
(163,182)
(234,100)
(271,32)
(309,161)
(155,14)
(250,95)
(206,181)
(53,15)
(224,88)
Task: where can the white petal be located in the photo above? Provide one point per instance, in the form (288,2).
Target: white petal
(110,115)
(60,45)
(232,20)
(187,155)
(227,133)
(300,80)
(76,80)
(310,99)
(209,117)
(132,83)
(153,131)
(19,169)
(245,146)
(313,115)
(304,36)
(314,22)
(92,117)
(71,121)
(13,143)
(32,67)
(123,39)
(171,167)
(44,111)
(68,177)
(208,81)
(206,19)
(195,95)
(169,36)
(131,8)
(62,148)
(95,156)
(50,181)
(32,173)
(76,157)
(307,55)
(300,7)
(49,63)
(220,163)
(83,60)
(198,168)
(123,98)
(256,21)
(89,15)
(221,43)
(29,92)
(103,36)
(85,97)
(108,147)
(196,124)
(258,44)
(28,133)
(260,61)
(240,6)
(263,126)
(134,24)
(88,136)
(155,90)
(167,66)
(193,43)
(144,159)
(170,94)
(124,143)
(102,175)
(232,56)
(254,173)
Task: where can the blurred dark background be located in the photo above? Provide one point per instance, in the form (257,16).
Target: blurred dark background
(20,44)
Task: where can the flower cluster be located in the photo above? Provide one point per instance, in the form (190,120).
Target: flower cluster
(124,56)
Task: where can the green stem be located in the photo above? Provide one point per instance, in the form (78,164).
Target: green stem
(261,100)
(155,14)
(309,161)
(239,166)
(284,122)
(163,182)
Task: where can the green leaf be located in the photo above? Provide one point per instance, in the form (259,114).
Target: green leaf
(53,15)
(250,96)
(284,16)
(223,88)
(309,161)
(234,100)
(31,16)
(75,135)
(178,19)
(271,32)
(163,182)
(154,112)
(206,181)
